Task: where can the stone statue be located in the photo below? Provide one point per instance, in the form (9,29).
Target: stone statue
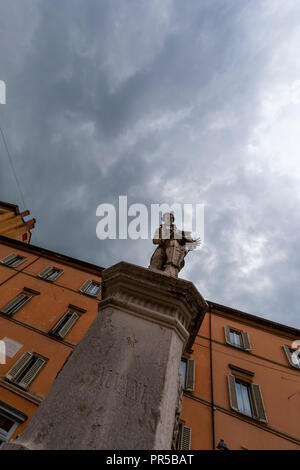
(173,246)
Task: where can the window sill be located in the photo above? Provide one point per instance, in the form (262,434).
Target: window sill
(238,347)
(250,418)
(36,399)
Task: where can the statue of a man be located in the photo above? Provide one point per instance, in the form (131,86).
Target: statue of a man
(173,246)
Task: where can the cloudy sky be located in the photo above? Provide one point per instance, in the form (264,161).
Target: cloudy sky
(162,101)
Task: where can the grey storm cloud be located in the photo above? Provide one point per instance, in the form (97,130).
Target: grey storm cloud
(162,101)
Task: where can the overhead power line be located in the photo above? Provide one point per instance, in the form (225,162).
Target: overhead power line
(14,172)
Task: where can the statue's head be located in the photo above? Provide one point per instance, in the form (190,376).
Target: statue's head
(168,218)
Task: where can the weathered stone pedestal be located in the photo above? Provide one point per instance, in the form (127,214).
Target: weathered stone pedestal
(119,388)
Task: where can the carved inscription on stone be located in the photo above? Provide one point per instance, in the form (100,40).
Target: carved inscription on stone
(123,384)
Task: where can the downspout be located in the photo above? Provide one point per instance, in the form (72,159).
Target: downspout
(211,382)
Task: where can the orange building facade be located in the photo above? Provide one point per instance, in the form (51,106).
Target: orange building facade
(241,384)
(47,303)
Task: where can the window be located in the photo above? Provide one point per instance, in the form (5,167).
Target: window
(50,273)
(246,398)
(238,339)
(64,325)
(16,304)
(25,369)
(183,372)
(91,288)
(13,260)
(184,437)
(10,418)
(293,356)
(7,427)
(243,398)
(187,372)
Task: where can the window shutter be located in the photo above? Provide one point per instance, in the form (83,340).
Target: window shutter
(8,258)
(185,438)
(19,365)
(45,271)
(232,392)
(19,261)
(289,356)
(260,411)
(32,373)
(190,375)
(58,274)
(246,341)
(13,303)
(69,324)
(85,285)
(227,334)
(56,327)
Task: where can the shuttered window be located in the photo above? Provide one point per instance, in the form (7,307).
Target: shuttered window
(185,437)
(10,418)
(239,339)
(187,372)
(91,288)
(16,304)
(7,427)
(26,369)
(246,398)
(64,325)
(13,260)
(293,356)
(50,273)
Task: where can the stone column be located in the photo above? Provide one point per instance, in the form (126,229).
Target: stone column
(119,388)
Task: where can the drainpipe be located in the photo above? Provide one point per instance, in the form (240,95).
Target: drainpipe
(211,383)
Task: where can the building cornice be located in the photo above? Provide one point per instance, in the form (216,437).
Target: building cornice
(271,325)
(89,267)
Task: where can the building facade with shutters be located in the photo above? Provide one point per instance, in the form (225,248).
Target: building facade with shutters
(241,384)
(47,303)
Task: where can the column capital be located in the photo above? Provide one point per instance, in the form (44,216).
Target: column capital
(172,302)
